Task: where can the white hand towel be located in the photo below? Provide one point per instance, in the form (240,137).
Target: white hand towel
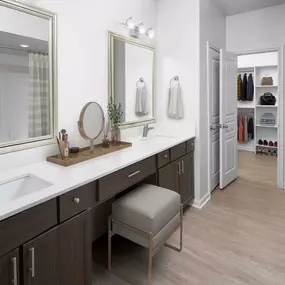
(175,104)
(141,101)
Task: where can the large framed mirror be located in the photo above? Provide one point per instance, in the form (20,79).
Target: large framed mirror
(28,76)
(132,79)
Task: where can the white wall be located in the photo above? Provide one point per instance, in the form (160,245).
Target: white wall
(256,30)
(212,29)
(83,60)
(23,24)
(178,54)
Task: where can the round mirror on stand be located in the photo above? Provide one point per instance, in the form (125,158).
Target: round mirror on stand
(91,122)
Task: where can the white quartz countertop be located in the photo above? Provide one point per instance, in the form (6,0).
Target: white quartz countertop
(65,179)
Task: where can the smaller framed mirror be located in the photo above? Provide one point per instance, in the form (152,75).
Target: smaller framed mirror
(91,122)
(132,79)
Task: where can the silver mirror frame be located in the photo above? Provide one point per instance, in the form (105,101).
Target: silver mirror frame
(111,70)
(81,124)
(53,73)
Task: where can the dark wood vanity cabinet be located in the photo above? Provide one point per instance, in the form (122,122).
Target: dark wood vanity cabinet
(9,268)
(75,251)
(179,174)
(40,260)
(60,256)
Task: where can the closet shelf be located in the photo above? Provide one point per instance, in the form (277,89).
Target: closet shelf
(266,86)
(266,106)
(266,146)
(265,126)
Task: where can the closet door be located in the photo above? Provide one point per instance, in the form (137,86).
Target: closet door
(214,117)
(228,118)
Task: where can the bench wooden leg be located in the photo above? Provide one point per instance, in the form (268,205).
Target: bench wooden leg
(150,257)
(181,234)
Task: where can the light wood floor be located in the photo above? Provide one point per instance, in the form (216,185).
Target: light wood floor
(238,238)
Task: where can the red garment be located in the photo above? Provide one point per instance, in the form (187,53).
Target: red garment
(240,130)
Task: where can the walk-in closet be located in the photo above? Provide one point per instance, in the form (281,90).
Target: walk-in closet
(258,91)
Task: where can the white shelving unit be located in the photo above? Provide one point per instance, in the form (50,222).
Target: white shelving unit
(261,132)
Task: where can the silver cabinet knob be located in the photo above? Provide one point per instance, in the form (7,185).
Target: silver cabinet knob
(166,156)
(76,200)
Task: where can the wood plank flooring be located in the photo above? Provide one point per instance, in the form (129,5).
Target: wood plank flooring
(238,238)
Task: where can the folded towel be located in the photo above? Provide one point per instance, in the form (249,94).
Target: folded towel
(175,104)
(141,101)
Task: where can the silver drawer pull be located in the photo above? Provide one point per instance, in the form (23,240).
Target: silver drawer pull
(135,173)
(166,156)
(32,269)
(15,271)
(76,200)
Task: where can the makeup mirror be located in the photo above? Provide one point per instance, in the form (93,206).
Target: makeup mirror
(91,122)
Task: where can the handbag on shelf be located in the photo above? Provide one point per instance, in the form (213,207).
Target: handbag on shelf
(268,99)
(267,80)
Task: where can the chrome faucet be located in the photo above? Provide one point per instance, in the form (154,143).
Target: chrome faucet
(146,129)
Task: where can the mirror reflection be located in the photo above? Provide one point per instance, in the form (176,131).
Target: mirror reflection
(25,94)
(133,80)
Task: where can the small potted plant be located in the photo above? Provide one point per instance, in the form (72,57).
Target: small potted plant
(115,114)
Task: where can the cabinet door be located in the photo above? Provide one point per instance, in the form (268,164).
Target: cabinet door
(186,179)
(9,268)
(169,176)
(40,260)
(75,251)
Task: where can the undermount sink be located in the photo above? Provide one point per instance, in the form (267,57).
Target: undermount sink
(153,137)
(16,188)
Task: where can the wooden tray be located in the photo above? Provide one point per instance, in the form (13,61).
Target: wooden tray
(85,154)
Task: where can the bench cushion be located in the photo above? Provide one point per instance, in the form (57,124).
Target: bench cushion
(148,207)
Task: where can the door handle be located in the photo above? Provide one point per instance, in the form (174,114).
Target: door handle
(182,166)
(15,271)
(32,269)
(225,126)
(179,168)
(135,173)
(213,127)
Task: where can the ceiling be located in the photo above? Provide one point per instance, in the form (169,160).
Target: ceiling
(15,41)
(232,7)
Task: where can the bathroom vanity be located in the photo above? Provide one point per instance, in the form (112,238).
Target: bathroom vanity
(46,237)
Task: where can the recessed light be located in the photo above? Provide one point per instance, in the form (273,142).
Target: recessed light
(24,46)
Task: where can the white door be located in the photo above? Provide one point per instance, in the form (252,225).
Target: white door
(228,118)
(214,116)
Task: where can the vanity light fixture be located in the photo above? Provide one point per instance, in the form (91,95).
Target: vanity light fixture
(24,46)
(137,30)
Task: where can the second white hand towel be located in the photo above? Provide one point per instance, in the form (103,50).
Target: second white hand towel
(141,101)
(175,104)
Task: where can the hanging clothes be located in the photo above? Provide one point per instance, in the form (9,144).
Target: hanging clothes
(239,85)
(251,129)
(245,128)
(250,88)
(244,88)
(241,133)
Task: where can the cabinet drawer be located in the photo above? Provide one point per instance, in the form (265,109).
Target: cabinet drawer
(163,158)
(77,201)
(190,145)
(21,228)
(125,178)
(177,151)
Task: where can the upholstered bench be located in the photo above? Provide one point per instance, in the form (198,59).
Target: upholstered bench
(148,216)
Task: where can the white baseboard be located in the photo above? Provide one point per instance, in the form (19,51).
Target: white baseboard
(200,204)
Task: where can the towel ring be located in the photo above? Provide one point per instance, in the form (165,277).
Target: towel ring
(141,80)
(175,78)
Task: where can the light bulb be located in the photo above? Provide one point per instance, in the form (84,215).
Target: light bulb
(141,28)
(150,33)
(130,24)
